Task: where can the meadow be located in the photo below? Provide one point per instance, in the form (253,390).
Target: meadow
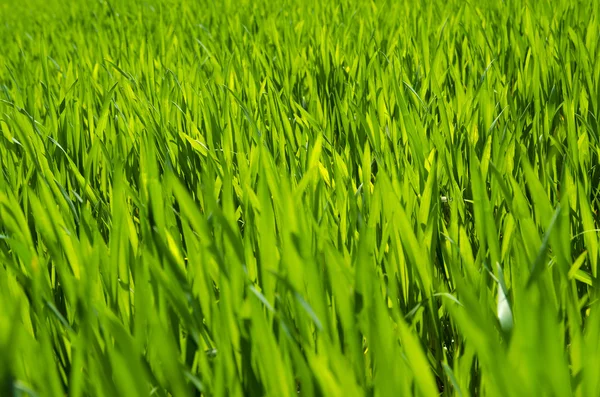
(299,198)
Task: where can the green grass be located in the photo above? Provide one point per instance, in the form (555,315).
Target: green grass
(280,198)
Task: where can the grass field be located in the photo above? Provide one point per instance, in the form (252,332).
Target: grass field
(281,198)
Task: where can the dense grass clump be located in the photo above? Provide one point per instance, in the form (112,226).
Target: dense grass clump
(280,198)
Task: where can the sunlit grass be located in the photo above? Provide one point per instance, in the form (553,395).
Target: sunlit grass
(283,198)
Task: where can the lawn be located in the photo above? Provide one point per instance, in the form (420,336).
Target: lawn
(299,198)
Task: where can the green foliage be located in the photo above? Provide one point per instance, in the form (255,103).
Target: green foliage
(280,198)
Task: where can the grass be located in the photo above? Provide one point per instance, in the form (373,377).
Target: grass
(282,198)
